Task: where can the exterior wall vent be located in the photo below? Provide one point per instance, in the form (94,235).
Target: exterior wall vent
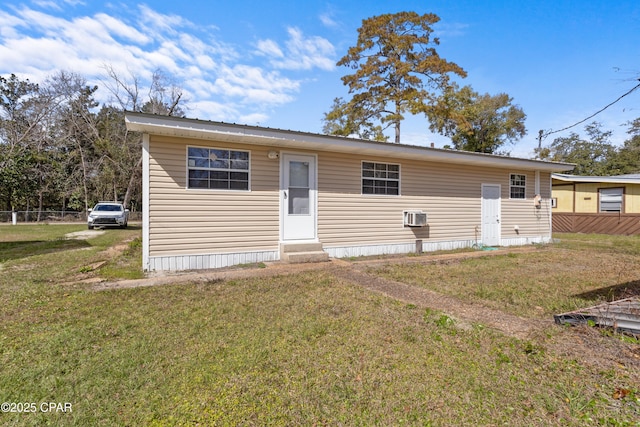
(415,218)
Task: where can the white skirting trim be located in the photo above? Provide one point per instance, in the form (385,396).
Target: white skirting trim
(197,262)
(405,248)
(395,248)
(206,261)
(522,241)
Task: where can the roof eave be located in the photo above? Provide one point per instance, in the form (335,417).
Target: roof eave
(594,179)
(199,129)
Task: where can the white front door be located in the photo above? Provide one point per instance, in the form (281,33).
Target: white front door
(490,214)
(298,197)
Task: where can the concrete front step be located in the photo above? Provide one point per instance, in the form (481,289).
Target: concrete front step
(302,252)
(300,247)
(300,257)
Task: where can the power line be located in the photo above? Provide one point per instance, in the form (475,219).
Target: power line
(542,135)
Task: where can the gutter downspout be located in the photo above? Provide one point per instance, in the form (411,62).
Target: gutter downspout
(145,202)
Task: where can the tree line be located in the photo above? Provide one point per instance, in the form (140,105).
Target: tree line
(396,70)
(594,154)
(61,149)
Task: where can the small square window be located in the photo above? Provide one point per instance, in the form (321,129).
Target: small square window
(611,199)
(380,178)
(217,168)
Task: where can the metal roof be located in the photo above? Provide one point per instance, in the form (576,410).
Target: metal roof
(226,132)
(614,179)
(622,315)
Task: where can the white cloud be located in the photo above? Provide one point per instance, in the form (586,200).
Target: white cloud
(33,20)
(327,20)
(163,23)
(218,80)
(302,53)
(453,29)
(212,110)
(252,84)
(48,4)
(270,48)
(203,62)
(254,119)
(200,88)
(116,27)
(9,24)
(314,51)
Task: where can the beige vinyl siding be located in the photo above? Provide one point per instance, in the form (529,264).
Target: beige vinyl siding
(531,221)
(193,221)
(190,222)
(545,185)
(449,194)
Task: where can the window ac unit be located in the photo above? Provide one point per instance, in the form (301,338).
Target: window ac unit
(415,219)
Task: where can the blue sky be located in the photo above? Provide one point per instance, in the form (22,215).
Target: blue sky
(272,63)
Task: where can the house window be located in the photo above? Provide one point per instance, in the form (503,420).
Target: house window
(218,169)
(517,185)
(380,178)
(611,199)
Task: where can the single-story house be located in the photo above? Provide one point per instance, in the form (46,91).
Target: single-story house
(596,204)
(218,194)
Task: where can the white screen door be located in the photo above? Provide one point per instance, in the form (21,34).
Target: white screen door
(298,197)
(491,214)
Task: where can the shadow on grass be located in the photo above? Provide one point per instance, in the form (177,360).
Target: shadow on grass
(23,249)
(615,292)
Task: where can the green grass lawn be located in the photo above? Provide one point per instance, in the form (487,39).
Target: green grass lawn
(303,349)
(568,275)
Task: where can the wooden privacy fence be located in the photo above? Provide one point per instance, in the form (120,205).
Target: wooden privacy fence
(609,223)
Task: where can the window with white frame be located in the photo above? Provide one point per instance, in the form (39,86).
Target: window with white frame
(517,185)
(380,178)
(217,169)
(611,199)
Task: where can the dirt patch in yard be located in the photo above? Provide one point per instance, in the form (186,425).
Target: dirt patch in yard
(87,274)
(84,235)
